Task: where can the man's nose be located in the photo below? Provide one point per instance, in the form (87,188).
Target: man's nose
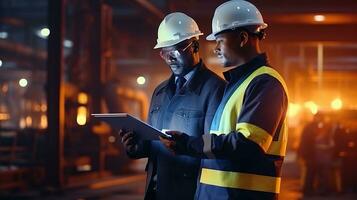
(216,49)
(170,59)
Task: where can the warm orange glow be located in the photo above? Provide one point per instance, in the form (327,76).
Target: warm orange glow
(319,18)
(135,95)
(22,123)
(111,139)
(82,98)
(43,107)
(101,129)
(37,107)
(336,104)
(293,109)
(312,106)
(43,122)
(84,168)
(351,144)
(81,115)
(4,88)
(4,116)
(307,18)
(28,121)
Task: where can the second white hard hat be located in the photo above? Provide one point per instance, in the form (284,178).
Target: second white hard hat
(233,14)
(175,28)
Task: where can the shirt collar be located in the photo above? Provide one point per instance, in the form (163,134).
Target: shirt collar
(236,73)
(192,85)
(188,76)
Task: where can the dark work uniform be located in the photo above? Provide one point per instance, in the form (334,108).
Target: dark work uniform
(191,110)
(243,154)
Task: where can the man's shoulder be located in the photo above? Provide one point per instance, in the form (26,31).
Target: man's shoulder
(208,75)
(161,85)
(266,81)
(266,86)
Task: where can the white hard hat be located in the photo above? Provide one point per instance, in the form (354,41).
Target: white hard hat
(175,28)
(233,14)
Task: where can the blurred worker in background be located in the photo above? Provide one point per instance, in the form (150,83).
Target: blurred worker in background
(317,153)
(243,154)
(186,101)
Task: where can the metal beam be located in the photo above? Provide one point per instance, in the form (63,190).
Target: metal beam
(55,95)
(292,33)
(152,8)
(22,50)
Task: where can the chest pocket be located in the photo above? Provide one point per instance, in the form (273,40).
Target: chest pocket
(189,121)
(184,113)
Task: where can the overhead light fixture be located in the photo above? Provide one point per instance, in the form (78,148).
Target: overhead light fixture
(319,18)
(0,63)
(43,121)
(44,33)
(68,43)
(3,35)
(82,98)
(23,82)
(4,116)
(28,121)
(141,80)
(111,139)
(82,115)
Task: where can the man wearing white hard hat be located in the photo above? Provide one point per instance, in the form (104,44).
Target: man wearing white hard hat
(243,154)
(186,101)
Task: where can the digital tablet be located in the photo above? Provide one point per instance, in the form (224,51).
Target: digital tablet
(127,122)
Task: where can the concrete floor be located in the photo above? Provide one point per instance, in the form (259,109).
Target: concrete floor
(132,188)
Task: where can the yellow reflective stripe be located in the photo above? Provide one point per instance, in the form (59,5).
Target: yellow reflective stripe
(255,134)
(277,148)
(240,180)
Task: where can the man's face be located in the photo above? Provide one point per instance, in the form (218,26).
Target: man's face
(227,49)
(179,57)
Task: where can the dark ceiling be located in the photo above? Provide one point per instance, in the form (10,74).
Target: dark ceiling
(290,21)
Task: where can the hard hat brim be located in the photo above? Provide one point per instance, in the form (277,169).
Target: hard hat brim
(212,36)
(173,42)
(167,43)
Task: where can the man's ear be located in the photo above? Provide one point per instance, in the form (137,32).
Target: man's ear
(243,38)
(196,46)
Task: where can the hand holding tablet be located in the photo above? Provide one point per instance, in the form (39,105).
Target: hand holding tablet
(127,122)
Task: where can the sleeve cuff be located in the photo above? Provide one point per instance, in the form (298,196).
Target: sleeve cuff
(207,146)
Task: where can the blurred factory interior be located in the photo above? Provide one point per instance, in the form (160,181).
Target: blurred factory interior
(61,60)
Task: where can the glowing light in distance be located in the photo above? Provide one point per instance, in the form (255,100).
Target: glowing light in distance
(23,82)
(141,80)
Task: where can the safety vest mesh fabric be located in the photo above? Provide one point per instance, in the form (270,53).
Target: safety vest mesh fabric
(224,175)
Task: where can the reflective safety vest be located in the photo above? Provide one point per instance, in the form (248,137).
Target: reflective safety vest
(232,179)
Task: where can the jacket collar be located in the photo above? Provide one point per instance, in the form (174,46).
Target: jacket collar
(238,72)
(193,85)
